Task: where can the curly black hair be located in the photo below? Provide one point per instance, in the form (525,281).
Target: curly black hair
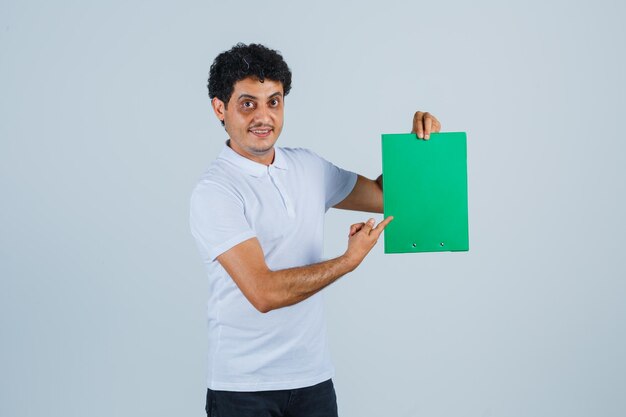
(243,61)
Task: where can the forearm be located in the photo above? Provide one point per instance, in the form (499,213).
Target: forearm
(290,286)
(268,290)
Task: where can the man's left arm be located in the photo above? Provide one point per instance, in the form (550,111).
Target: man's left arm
(367,195)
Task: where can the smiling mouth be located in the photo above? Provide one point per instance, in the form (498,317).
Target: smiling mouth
(262,133)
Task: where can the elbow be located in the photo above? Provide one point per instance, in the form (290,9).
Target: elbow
(264,296)
(263,302)
(263,309)
(263,306)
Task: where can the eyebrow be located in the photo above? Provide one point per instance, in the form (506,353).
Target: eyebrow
(278,93)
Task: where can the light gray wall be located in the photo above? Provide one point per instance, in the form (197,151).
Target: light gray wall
(105,127)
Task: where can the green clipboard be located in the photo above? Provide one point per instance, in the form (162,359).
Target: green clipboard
(425,190)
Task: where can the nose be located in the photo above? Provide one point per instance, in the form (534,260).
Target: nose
(263,115)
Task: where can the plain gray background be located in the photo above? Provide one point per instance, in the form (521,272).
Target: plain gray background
(106,126)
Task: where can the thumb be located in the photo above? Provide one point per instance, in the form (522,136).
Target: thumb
(367,228)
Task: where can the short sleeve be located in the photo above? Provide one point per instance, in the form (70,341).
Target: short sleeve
(217,219)
(338,183)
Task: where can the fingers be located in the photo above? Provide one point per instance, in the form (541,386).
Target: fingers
(424,124)
(381,226)
(428,126)
(436,125)
(363,238)
(418,125)
(355,228)
(367,226)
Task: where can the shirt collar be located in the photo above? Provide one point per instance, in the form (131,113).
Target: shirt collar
(249,166)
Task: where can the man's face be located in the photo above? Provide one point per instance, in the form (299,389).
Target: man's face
(253,117)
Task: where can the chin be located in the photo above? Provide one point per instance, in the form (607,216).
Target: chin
(261,150)
(263,147)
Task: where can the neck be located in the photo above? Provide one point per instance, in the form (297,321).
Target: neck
(265,158)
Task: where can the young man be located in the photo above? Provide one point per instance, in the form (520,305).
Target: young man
(257,215)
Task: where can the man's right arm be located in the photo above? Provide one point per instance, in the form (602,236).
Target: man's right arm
(268,290)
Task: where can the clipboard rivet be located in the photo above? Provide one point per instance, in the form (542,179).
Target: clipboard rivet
(441,243)
(415,244)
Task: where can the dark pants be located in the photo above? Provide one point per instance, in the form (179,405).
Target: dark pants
(316,401)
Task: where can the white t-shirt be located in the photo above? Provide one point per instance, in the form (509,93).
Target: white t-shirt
(283,205)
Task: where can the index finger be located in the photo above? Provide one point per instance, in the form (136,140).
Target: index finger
(381,226)
(418,124)
(428,126)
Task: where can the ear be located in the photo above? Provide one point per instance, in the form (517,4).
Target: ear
(218,108)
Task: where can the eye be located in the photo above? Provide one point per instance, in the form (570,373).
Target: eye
(247,105)
(274,102)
